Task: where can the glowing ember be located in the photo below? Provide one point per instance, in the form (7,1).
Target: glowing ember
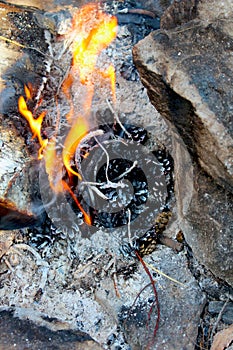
(92,32)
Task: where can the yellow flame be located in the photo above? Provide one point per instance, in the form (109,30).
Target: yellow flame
(109,73)
(27,92)
(34,123)
(53,166)
(88,43)
(92,31)
(77,132)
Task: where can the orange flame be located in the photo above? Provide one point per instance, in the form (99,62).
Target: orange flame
(53,166)
(110,74)
(76,133)
(93,30)
(34,123)
(88,43)
(28,91)
(86,216)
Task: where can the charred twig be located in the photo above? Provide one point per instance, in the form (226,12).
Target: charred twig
(129,229)
(218,320)
(108,159)
(171,243)
(23,46)
(84,143)
(138,12)
(114,276)
(155,294)
(49,63)
(39,260)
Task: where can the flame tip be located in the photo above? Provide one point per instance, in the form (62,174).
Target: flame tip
(93,31)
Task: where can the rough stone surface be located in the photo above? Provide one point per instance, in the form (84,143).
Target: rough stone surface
(19,199)
(23,334)
(204,214)
(194,62)
(175,316)
(61,280)
(188,73)
(61,295)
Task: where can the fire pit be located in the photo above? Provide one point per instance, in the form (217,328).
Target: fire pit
(103,188)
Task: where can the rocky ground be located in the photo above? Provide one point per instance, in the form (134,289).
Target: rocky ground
(72,289)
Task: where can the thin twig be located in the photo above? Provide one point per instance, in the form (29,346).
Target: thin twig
(115,285)
(129,229)
(218,320)
(117,119)
(44,277)
(23,46)
(39,259)
(135,163)
(83,267)
(138,12)
(163,274)
(97,191)
(8,264)
(83,143)
(155,294)
(108,159)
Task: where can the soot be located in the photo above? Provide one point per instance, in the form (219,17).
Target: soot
(132,198)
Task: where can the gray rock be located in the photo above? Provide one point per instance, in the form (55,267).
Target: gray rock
(180,306)
(178,13)
(188,73)
(23,334)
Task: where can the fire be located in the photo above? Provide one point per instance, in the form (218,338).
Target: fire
(92,32)
(88,43)
(34,123)
(75,135)
(53,166)
(110,74)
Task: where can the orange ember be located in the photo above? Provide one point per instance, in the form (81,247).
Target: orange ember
(92,32)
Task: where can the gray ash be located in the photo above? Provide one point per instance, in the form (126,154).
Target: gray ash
(132,198)
(44,235)
(27,30)
(128,70)
(135,315)
(167,162)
